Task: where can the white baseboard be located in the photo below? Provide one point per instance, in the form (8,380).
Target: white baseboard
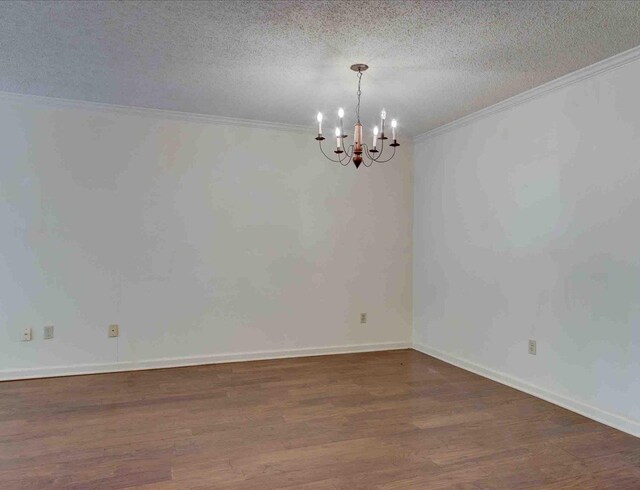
(169,362)
(613,420)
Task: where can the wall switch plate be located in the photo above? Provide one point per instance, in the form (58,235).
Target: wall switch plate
(47,332)
(533,348)
(26,335)
(363,318)
(114,330)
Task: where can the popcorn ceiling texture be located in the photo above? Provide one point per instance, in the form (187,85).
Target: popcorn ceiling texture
(282,61)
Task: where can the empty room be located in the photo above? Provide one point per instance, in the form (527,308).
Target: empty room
(319,244)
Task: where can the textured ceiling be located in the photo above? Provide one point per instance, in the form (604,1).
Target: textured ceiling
(282,61)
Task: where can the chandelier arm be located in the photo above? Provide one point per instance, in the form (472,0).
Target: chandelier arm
(391,157)
(380,152)
(344,158)
(346,150)
(366,152)
(373,159)
(326,156)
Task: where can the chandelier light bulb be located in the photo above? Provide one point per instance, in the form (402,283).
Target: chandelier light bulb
(338,135)
(375,136)
(394,124)
(341,113)
(375,130)
(383,115)
(319,118)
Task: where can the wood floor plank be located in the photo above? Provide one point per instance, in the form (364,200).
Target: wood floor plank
(392,420)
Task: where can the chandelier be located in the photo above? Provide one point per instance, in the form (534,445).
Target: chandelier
(359,152)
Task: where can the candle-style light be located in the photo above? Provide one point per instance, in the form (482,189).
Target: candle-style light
(338,138)
(394,123)
(319,118)
(375,137)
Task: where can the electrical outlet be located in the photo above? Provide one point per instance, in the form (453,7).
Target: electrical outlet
(26,335)
(47,332)
(114,330)
(533,348)
(363,318)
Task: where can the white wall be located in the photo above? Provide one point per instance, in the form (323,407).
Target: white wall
(527,226)
(204,241)
(209,242)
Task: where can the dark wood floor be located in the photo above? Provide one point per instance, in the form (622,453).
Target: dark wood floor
(391,420)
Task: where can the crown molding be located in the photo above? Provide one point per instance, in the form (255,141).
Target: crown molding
(42,101)
(608,64)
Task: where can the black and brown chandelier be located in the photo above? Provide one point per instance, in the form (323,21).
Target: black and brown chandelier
(359,152)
